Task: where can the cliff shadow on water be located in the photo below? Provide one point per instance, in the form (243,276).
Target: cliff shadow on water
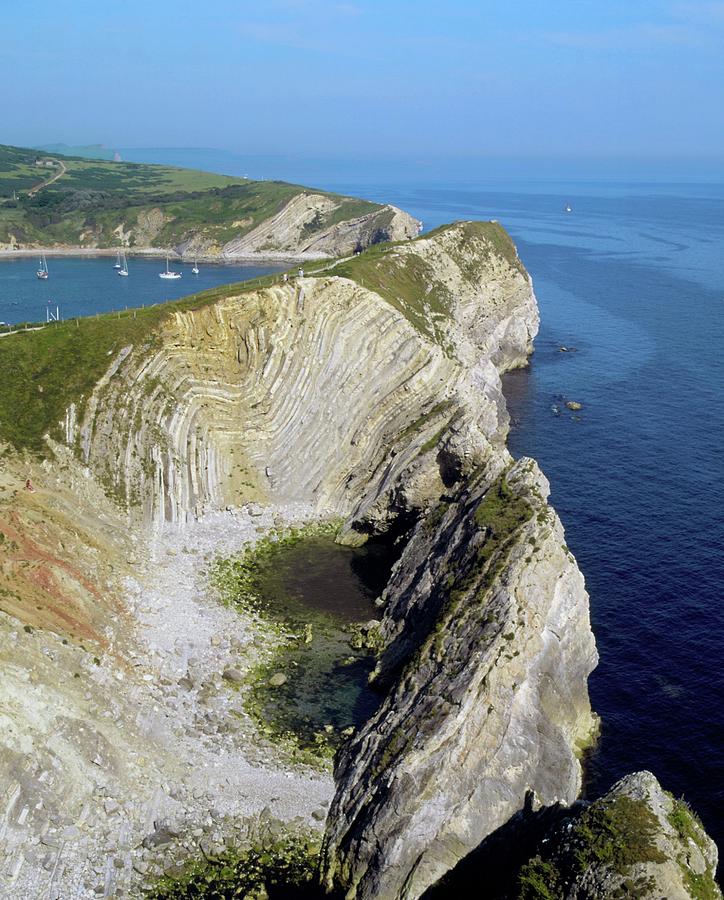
(320,597)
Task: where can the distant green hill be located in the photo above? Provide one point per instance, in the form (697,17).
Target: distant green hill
(88,151)
(53,200)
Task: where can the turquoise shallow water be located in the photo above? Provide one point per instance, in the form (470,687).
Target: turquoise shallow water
(83,286)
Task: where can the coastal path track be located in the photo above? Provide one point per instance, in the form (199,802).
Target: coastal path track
(48,181)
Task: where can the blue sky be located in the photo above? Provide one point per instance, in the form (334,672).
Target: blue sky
(640,79)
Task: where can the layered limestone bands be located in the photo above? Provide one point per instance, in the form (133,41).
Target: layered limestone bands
(298,230)
(315,391)
(487,652)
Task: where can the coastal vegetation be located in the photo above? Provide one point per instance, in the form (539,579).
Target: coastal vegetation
(411,283)
(617,834)
(96,202)
(279,868)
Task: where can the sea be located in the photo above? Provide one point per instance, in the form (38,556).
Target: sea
(630,286)
(86,285)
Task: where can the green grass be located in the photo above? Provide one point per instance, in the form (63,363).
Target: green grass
(95,196)
(405,281)
(18,172)
(690,829)
(43,371)
(410,284)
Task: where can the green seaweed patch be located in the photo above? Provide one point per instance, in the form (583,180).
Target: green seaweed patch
(304,694)
(612,834)
(283,868)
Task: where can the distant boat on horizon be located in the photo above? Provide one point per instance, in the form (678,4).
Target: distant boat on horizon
(568,208)
(43,268)
(117,264)
(168,273)
(123,267)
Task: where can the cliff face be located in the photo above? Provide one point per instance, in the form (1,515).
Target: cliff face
(317,391)
(370,390)
(487,650)
(300,230)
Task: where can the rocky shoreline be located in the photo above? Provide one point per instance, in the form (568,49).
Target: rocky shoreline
(191,775)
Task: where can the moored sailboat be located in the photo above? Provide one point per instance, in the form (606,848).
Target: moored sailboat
(43,268)
(169,273)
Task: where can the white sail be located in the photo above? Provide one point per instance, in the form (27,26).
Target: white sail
(168,273)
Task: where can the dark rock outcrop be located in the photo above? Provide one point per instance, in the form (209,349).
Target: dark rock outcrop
(487,652)
(636,841)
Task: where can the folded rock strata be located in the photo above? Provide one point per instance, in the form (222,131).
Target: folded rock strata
(368,390)
(319,391)
(294,231)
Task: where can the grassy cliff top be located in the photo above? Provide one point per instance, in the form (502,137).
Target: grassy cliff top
(42,371)
(408,280)
(90,198)
(20,171)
